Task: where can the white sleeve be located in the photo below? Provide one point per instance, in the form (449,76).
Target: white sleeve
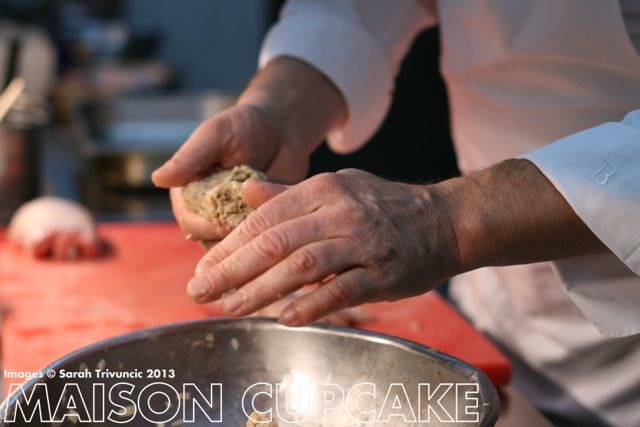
(358,45)
(598,172)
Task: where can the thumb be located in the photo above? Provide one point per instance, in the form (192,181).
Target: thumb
(255,192)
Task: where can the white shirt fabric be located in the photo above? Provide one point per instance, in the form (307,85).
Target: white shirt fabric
(556,82)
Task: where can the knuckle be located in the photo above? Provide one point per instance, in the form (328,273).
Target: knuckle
(340,292)
(350,172)
(221,272)
(215,255)
(272,244)
(304,261)
(255,224)
(319,305)
(325,182)
(215,126)
(204,265)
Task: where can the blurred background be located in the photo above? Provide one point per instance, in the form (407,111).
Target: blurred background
(113,87)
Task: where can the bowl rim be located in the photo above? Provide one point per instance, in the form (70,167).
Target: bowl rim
(490,406)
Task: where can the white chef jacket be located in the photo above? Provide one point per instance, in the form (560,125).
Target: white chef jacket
(550,81)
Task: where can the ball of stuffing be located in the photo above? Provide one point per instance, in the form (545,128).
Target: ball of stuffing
(217,197)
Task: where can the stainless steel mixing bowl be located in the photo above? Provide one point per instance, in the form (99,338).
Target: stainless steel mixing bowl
(323,375)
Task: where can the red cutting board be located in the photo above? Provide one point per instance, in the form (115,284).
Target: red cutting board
(52,308)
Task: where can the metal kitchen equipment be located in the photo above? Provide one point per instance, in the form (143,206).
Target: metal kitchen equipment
(239,353)
(20,149)
(28,54)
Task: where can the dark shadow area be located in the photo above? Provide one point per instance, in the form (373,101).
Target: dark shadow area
(414,143)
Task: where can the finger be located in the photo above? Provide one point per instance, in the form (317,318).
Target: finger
(352,316)
(345,290)
(256,193)
(274,310)
(296,201)
(309,264)
(203,149)
(213,279)
(193,225)
(288,167)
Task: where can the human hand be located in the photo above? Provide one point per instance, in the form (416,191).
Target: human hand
(278,122)
(50,227)
(367,239)
(363,238)
(240,135)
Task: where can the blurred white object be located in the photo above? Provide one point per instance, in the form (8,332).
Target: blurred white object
(27,70)
(50,227)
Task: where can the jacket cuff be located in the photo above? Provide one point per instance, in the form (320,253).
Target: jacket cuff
(597,172)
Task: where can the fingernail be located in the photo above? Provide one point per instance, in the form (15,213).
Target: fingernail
(197,287)
(288,317)
(232,302)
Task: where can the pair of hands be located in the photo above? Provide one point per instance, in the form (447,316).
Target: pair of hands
(357,237)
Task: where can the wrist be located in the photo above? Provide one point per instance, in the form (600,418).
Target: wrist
(512,214)
(455,205)
(437,227)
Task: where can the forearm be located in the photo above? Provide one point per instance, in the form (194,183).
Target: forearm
(511,214)
(299,96)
